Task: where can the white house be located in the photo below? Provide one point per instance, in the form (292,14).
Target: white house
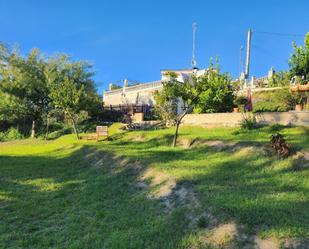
(142,94)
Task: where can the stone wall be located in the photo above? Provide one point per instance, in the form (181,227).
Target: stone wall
(234,119)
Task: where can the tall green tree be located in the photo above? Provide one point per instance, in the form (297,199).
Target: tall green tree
(33,87)
(23,78)
(299,61)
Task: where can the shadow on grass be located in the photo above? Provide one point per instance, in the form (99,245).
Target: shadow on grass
(72,202)
(258,191)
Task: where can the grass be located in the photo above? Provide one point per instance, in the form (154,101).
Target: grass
(52,194)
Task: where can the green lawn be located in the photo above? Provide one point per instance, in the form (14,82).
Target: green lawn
(79,194)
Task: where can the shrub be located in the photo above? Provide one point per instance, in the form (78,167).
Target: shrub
(300,98)
(165,110)
(59,133)
(13,134)
(275,101)
(248,122)
(241,101)
(88,126)
(2,137)
(279,145)
(268,106)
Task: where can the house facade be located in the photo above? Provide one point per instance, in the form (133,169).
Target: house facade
(143,94)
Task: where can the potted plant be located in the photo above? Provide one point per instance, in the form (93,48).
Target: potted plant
(239,103)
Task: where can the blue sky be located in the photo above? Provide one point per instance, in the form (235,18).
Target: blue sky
(135,39)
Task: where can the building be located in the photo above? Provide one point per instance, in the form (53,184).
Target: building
(143,94)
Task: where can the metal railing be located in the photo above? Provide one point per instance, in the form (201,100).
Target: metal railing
(147,85)
(129,108)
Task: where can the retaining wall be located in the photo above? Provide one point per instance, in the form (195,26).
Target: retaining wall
(234,119)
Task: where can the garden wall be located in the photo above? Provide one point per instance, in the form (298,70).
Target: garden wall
(234,119)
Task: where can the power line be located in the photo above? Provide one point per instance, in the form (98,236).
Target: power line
(266,52)
(278,34)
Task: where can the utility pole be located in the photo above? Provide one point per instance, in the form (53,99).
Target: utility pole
(248,54)
(193,61)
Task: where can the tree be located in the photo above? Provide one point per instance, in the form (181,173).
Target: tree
(207,93)
(165,108)
(24,79)
(71,87)
(26,83)
(217,93)
(299,61)
(67,97)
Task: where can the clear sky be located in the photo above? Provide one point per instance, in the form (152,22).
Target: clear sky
(135,39)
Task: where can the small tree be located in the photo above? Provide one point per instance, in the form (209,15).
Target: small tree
(195,94)
(165,110)
(67,97)
(216,93)
(299,61)
(71,88)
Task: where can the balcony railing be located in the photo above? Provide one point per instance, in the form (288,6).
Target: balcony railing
(148,85)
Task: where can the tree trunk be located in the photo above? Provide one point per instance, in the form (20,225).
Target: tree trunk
(47,128)
(74,127)
(178,122)
(176,134)
(33,129)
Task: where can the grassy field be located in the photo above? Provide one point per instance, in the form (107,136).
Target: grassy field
(135,191)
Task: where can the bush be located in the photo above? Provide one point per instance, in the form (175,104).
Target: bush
(268,106)
(13,134)
(59,133)
(248,122)
(2,137)
(10,134)
(279,145)
(241,101)
(275,101)
(165,110)
(88,126)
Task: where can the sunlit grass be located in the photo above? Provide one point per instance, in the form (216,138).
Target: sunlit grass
(53,196)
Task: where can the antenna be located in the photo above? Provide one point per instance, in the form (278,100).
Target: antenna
(241,63)
(193,61)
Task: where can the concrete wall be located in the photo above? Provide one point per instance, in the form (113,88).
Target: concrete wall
(234,119)
(139,94)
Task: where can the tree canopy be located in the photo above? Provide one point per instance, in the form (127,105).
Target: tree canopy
(32,86)
(299,61)
(211,92)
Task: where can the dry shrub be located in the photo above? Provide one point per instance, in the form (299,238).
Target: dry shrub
(279,144)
